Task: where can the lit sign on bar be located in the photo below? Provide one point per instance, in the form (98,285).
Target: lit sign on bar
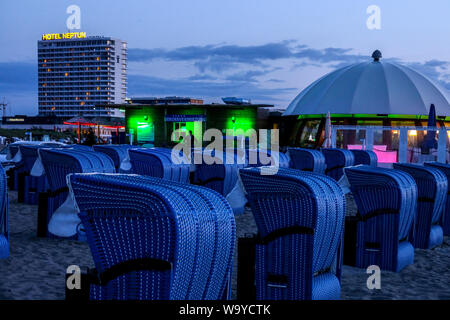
(61,36)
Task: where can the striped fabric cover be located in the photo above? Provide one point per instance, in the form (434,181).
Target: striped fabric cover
(307,160)
(337,160)
(382,239)
(296,265)
(157,162)
(432,188)
(58,163)
(117,152)
(4,230)
(366,157)
(254,158)
(130,217)
(32,185)
(445,220)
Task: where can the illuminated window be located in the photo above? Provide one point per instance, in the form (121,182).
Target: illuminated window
(98,58)
(87,93)
(98,88)
(87,68)
(412,132)
(53,108)
(66,74)
(82,103)
(98,78)
(49,70)
(98,68)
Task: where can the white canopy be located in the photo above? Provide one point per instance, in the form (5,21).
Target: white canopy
(371,88)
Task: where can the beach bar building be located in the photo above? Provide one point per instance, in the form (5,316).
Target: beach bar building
(153,120)
(369,103)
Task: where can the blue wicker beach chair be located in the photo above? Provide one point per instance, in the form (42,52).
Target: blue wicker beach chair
(79,147)
(18,168)
(157,162)
(257,158)
(155,238)
(445,220)
(58,163)
(223,177)
(117,153)
(300,218)
(4,230)
(366,157)
(337,160)
(432,188)
(386,201)
(307,160)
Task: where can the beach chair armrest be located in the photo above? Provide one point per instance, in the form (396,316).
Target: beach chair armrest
(376,212)
(284,232)
(205,182)
(143,264)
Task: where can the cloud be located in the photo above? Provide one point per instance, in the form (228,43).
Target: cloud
(218,70)
(156,86)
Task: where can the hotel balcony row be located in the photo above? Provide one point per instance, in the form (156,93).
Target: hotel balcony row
(81,65)
(62,57)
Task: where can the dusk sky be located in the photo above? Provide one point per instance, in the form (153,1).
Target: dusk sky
(265,50)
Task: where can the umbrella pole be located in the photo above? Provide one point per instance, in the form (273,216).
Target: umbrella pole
(79,133)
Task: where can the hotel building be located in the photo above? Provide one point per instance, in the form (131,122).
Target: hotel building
(80,75)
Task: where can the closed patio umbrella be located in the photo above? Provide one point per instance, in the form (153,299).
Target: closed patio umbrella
(430,139)
(327,142)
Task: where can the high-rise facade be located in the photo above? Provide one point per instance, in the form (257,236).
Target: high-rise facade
(80,76)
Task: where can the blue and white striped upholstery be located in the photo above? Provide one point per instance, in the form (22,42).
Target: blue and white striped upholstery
(4,230)
(58,163)
(117,153)
(445,220)
(367,157)
(337,160)
(157,162)
(129,218)
(307,160)
(432,197)
(387,205)
(300,219)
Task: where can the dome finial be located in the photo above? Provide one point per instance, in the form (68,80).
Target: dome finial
(376,55)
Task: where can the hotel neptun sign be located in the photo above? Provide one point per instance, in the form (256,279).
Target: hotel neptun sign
(62,36)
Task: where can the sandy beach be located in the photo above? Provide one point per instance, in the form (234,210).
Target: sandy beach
(36,266)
